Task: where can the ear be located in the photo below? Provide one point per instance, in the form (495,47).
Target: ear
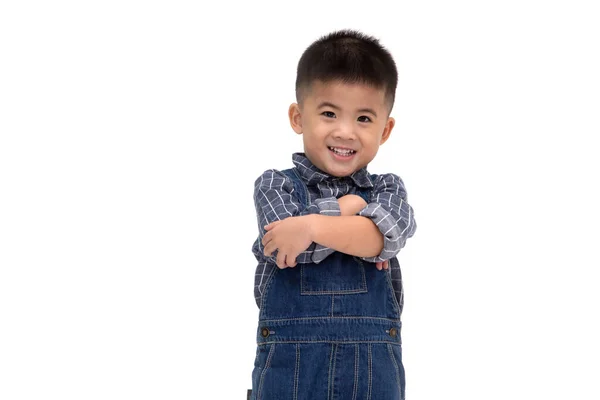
(295,118)
(387,130)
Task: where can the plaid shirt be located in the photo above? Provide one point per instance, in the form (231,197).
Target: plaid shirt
(274,201)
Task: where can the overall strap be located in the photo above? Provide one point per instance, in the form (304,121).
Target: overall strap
(299,186)
(365,193)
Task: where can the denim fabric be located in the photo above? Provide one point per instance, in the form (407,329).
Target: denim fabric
(276,197)
(329,331)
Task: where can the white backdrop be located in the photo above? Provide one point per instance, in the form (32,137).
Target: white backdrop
(131,134)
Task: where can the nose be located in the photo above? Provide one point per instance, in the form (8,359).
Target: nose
(345,131)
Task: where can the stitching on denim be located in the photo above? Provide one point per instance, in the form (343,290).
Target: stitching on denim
(264,371)
(257,354)
(302,185)
(401,300)
(370,361)
(363,288)
(328,341)
(297,372)
(355,389)
(389,346)
(364,276)
(329,373)
(349,291)
(290,175)
(332,303)
(361,262)
(361,317)
(263,303)
(333,373)
(392,293)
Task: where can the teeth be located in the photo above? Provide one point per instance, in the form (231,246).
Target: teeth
(343,152)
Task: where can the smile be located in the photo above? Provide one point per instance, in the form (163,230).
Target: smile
(342,152)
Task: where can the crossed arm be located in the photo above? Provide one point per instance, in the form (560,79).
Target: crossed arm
(347,233)
(376,234)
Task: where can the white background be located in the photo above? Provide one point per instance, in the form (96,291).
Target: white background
(131,134)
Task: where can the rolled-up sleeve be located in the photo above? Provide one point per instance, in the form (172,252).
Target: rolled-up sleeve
(392,214)
(274,201)
(328,206)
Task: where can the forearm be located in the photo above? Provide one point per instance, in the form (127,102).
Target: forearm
(389,211)
(395,226)
(274,202)
(354,235)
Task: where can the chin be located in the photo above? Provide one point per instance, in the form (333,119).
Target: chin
(338,172)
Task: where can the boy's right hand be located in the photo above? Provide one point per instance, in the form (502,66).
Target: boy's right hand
(351,204)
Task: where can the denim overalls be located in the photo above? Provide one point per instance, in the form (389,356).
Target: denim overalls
(329,331)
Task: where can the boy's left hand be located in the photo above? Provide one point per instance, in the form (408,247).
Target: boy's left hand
(290,236)
(382,265)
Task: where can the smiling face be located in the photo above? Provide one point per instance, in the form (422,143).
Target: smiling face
(342,125)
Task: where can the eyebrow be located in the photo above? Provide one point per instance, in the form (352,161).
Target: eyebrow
(328,104)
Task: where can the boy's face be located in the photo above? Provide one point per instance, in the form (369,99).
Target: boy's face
(342,125)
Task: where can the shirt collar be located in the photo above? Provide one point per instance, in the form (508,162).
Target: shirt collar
(314,175)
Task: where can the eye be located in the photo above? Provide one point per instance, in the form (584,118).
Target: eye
(364,117)
(328,114)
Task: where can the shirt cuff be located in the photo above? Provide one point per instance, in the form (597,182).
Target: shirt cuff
(328,206)
(388,226)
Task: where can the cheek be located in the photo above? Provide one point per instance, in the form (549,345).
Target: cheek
(370,146)
(317,131)
(369,139)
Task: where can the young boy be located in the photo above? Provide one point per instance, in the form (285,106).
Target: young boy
(328,284)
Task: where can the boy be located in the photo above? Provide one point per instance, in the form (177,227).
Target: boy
(328,284)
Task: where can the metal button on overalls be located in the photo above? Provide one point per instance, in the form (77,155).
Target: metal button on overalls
(336,329)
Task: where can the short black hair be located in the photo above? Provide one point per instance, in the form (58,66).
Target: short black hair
(351,57)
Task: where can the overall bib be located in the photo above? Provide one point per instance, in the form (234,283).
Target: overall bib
(329,331)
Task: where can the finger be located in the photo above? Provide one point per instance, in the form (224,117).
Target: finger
(290,260)
(269,249)
(272,225)
(386,264)
(378,265)
(267,238)
(281,259)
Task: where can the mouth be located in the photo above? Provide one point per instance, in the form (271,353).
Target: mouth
(342,152)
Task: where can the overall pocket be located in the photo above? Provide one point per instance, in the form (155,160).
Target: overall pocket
(338,274)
